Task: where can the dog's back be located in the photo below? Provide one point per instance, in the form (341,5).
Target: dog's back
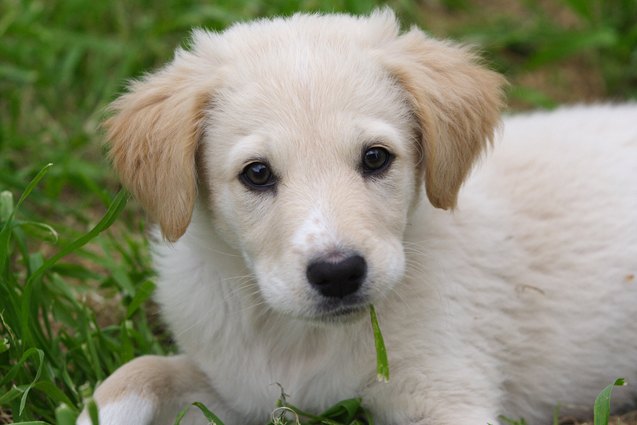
(546,231)
(572,179)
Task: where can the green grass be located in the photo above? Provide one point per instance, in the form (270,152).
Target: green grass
(52,349)
(346,412)
(73,291)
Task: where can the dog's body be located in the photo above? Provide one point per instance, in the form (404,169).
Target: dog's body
(521,299)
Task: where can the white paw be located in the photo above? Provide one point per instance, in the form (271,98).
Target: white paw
(126,410)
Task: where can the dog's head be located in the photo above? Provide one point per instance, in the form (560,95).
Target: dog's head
(311,137)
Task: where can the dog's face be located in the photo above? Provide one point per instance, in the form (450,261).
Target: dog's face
(312,175)
(311,138)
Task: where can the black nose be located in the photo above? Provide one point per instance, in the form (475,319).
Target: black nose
(337,279)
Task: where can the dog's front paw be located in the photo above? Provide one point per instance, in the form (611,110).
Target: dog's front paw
(150,390)
(126,409)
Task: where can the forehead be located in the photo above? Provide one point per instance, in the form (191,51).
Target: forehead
(305,90)
(308,64)
(299,85)
(290,87)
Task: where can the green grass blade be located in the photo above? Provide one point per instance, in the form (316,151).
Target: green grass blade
(298,412)
(64,415)
(18,366)
(4,345)
(23,390)
(47,230)
(114,209)
(556,415)
(93,413)
(10,395)
(6,205)
(601,410)
(54,393)
(181,415)
(6,218)
(142,294)
(214,420)
(279,416)
(382,363)
(510,421)
(343,412)
(27,390)
(32,184)
(126,347)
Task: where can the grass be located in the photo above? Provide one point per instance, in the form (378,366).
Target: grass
(74,286)
(52,348)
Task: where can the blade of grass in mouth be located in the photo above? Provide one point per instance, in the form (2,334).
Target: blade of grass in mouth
(382,364)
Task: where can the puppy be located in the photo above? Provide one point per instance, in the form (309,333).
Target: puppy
(303,169)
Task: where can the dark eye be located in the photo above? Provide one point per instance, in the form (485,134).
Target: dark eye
(258,175)
(376,160)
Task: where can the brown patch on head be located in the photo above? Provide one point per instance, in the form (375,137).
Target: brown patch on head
(456,101)
(153,135)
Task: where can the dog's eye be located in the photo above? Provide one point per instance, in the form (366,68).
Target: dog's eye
(258,175)
(376,160)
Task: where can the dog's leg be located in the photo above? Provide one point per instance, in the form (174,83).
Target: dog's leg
(151,390)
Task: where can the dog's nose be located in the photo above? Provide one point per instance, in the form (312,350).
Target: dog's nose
(337,279)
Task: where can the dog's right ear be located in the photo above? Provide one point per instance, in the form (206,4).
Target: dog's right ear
(153,135)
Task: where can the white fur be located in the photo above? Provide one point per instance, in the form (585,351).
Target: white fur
(130,409)
(521,299)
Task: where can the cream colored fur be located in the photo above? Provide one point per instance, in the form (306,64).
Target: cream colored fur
(522,298)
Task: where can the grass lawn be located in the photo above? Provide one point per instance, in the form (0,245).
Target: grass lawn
(75,279)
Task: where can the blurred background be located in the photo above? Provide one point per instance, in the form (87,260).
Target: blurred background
(63,61)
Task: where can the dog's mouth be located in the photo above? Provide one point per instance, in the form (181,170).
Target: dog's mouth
(337,311)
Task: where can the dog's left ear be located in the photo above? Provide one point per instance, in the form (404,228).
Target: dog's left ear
(456,101)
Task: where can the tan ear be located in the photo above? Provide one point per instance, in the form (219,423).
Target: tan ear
(457,103)
(153,136)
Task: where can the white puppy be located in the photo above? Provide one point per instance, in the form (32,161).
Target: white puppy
(302,169)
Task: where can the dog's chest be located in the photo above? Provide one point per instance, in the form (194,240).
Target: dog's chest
(313,371)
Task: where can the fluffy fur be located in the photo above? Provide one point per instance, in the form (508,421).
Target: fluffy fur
(522,298)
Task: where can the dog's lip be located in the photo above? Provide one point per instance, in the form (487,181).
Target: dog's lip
(347,311)
(341,310)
